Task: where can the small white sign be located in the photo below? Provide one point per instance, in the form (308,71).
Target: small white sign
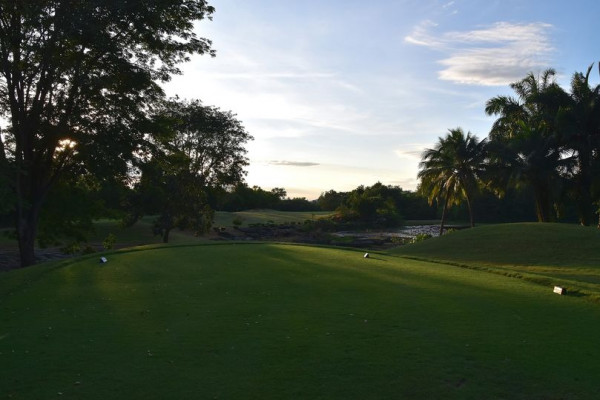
(103,260)
(559,290)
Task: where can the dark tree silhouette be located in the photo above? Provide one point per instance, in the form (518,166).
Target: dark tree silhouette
(450,172)
(77,80)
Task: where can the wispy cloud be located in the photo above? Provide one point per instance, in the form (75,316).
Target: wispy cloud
(411,151)
(294,163)
(421,35)
(496,55)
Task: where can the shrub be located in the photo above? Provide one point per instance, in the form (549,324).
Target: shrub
(109,242)
(421,237)
(238,221)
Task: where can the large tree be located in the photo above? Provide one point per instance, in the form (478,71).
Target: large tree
(529,159)
(202,151)
(525,147)
(450,172)
(77,79)
(579,130)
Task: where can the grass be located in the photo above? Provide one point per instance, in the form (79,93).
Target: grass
(258,321)
(138,234)
(549,254)
(266,216)
(141,232)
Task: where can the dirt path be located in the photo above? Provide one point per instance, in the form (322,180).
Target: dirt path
(9,258)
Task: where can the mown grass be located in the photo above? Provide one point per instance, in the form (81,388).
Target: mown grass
(141,232)
(223,218)
(258,321)
(549,254)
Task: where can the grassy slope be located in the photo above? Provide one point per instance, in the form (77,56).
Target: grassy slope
(550,254)
(279,321)
(141,232)
(223,218)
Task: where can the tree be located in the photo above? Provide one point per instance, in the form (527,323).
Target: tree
(529,159)
(525,148)
(203,151)
(331,200)
(83,74)
(451,171)
(579,129)
(371,206)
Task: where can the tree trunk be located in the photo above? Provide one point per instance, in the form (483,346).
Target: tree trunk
(584,199)
(27,225)
(165,236)
(542,204)
(444,213)
(584,185)
(470,212)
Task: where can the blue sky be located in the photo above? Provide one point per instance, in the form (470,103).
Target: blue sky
(343,93)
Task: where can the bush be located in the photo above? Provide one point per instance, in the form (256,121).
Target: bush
(109,242)
(238,221)
(421,237)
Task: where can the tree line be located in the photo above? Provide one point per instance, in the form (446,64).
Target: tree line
(545,141)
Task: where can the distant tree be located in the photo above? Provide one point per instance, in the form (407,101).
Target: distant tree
(451,171)
(298,204)
(242,197)
(77,80)
(372,206)
(280,193)
(331,200)
(204,151)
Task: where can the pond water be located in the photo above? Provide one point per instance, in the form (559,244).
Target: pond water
(406,232)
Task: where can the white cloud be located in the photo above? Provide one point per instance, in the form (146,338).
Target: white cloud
(492,56)
(421,35)
(294,163)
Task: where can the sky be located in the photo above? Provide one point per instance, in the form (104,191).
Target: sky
(342,93)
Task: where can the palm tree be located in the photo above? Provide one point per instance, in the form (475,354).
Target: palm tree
(579,125)
(538,102)
(525,148)
(450,172)
(528,159)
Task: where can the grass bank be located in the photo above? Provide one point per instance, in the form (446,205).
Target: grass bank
(549,254)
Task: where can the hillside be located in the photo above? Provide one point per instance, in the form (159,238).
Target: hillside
(550,254)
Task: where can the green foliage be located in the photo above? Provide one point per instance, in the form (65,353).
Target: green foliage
(77,83)
(421,237)
(238,221)
(242,197)
(451,172)
(202,149)
(109,242)
(547,139)
(69,211)
(71,248)
(372,206)
(331,200)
